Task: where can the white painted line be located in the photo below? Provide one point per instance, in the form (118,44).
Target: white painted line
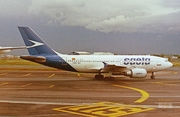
(43,103)
(159,105)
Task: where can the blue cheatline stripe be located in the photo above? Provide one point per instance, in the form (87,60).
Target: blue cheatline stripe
(59,63)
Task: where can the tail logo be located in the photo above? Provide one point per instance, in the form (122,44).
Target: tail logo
(35,44)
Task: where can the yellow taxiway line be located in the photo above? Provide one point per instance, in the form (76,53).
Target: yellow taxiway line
(26,85)
(103,109)
(26,74)
(3,83)
(144,94)
(51,86)
(79,75)
(51,76)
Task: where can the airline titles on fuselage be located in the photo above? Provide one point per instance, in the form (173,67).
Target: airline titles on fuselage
(137,61)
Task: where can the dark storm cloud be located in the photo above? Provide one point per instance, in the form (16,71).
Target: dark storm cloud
(107,16)
(119,26)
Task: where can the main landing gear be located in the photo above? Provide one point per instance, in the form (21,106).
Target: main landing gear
(152,76)
(101,77)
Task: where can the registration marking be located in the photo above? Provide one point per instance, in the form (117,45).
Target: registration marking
(104,109)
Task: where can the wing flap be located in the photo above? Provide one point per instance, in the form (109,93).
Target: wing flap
(109,68)
(95,68)
(113,68)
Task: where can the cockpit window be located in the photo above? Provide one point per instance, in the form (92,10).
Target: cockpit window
(166,60)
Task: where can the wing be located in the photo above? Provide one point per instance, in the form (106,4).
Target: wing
(113,68)
(8,49)
(110,68)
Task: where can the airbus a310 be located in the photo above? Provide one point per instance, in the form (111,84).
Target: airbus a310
(134,66)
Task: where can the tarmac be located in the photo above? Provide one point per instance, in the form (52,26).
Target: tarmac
(56,93)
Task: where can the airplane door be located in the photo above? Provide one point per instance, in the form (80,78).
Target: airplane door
(158,63)
(121,61)
(152,66)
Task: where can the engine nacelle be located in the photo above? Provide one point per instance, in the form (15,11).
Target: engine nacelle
(136,73)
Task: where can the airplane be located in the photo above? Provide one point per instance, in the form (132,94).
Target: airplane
(134,66)
(4,50)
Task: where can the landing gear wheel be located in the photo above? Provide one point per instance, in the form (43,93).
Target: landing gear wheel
(152,77)
(99,77)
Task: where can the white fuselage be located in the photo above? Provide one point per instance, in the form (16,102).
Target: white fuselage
(92,63)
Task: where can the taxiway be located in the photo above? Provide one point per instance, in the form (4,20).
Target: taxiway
(55,93)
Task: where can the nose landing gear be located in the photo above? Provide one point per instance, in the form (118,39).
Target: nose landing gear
(152,76)
(99,77)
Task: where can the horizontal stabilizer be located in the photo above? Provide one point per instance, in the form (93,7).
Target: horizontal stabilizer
(39,59)
(13,48)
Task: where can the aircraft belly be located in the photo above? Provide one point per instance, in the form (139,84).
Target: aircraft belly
(85,68)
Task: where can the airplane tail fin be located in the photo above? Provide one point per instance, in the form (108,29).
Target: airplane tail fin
(35,45)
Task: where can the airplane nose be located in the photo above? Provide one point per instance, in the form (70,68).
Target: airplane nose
(170,64)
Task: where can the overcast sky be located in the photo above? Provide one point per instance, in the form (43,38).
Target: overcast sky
(118,26)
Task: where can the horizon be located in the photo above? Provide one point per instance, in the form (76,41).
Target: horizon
(141,27)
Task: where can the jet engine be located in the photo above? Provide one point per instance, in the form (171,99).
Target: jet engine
(136,73)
